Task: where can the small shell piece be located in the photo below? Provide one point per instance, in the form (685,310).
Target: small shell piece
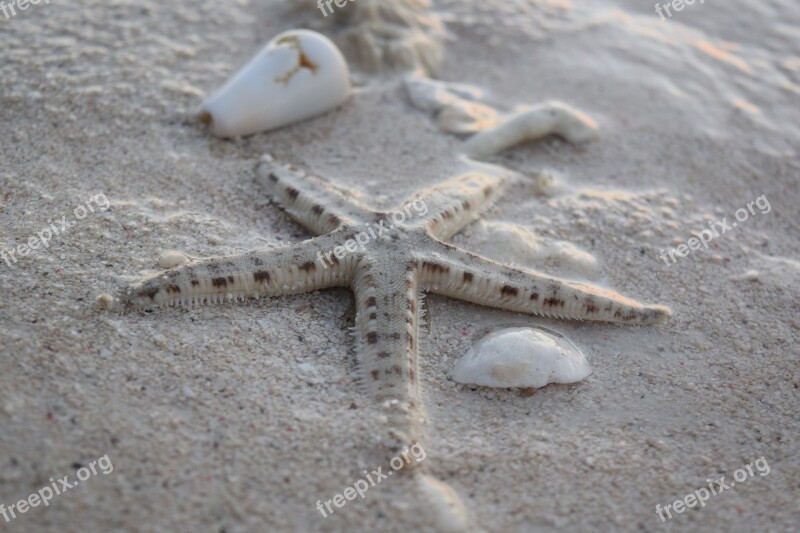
(521,357)
(530,124)
(463,109)
(298,75)
(172,259)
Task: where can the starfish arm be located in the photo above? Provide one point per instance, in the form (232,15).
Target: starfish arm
(387,320)
(453,272)
(312,201)
(449,206)
(290,269)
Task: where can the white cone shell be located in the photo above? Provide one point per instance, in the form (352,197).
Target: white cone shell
(298,74)
(521,357)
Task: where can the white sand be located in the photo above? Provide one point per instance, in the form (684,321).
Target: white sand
(239,418)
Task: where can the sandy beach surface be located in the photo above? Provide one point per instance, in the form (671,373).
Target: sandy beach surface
(237,418)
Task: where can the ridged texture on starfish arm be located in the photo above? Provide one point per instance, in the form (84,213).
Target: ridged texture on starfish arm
(465,276)
(456,202)
(387,320)
(278,271)
(313,202)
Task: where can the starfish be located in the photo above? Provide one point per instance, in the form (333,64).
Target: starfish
(387,267)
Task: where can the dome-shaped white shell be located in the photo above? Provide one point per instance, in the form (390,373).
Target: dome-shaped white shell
(521,357)
(298,74)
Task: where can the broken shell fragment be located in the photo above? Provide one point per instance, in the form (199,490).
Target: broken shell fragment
(299,74)
(172,259)
(521,357)
(464,109)
(530,124)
